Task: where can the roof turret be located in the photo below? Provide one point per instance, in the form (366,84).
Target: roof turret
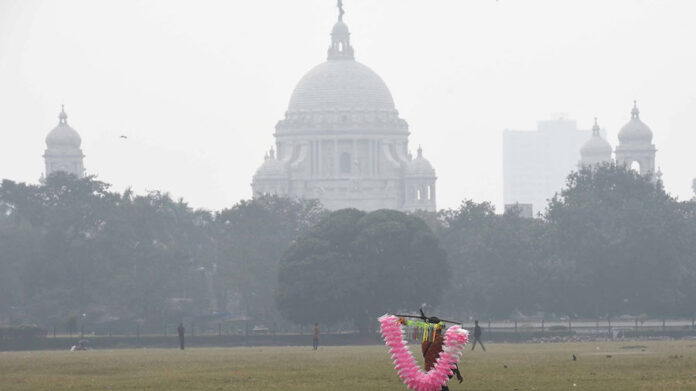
(635,131)
(596,148)
(271,168)
(420,166)
(63,135)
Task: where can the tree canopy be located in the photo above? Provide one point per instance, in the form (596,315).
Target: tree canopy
(71,246)
(611,242)
(355,266)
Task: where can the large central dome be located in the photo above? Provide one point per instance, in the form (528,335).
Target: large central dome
(341,84)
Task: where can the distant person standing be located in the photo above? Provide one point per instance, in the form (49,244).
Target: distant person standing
(315,337)
(181,330)
(477,336)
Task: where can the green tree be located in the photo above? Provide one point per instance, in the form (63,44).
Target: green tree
(357,266)
(621,242)
(495,260)
(251,238)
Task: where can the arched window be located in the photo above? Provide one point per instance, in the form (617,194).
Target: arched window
(430,193)
(345,163)
(418,195)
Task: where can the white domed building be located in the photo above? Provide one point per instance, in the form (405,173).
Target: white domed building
(635,147)
(596,150)
(342,141)
(63,151)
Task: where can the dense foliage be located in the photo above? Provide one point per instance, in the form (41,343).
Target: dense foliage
(357,266)
(74,252)
(611,243)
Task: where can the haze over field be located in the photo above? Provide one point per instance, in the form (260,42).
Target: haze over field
(198,86)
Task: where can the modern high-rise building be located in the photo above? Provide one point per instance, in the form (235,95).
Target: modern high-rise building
(342,141)
(536,163)
(63,151)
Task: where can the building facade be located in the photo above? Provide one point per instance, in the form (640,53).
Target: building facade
(63,151)
(537,163)
(343,142)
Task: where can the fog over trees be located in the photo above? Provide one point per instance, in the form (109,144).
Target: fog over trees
(611,243)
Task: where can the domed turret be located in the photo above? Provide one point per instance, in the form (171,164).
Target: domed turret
(271,177)
(635,131)
(271,167)
(63,135)
(63,151)
(420,184)
(635,147)
(420,166)
(596,150)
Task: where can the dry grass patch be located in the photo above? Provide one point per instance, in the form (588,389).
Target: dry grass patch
(599,366)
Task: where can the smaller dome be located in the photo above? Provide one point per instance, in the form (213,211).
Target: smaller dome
(596,146)
(271,168)
(63,135)
(340,28)
(420,166)
(635,131)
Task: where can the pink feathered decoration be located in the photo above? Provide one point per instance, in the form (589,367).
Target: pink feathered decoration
(405,364)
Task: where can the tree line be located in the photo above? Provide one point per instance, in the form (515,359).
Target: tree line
(611,242)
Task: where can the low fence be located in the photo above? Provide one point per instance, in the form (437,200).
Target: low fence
(585,327)
(221,335)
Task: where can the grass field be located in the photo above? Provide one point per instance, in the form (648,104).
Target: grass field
(632,366)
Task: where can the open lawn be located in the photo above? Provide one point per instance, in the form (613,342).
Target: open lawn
(600,366)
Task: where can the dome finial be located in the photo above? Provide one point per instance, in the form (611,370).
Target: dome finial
(595,128)
(420,151)
(271,153)
(635,112)
(340,48)
(340,10)
(63,117)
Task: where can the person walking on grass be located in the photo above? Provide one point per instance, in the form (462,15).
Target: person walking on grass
(181,330)
(477,336)
(432,349)
(315,337)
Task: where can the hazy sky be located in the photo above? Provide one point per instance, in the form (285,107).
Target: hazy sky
(198,86)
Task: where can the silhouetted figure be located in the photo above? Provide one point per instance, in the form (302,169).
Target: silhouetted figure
(181,330)
(431,351)
(315,337)
(477,336)
(575,358)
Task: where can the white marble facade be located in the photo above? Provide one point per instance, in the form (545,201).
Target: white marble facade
(342,141)
(63,151)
